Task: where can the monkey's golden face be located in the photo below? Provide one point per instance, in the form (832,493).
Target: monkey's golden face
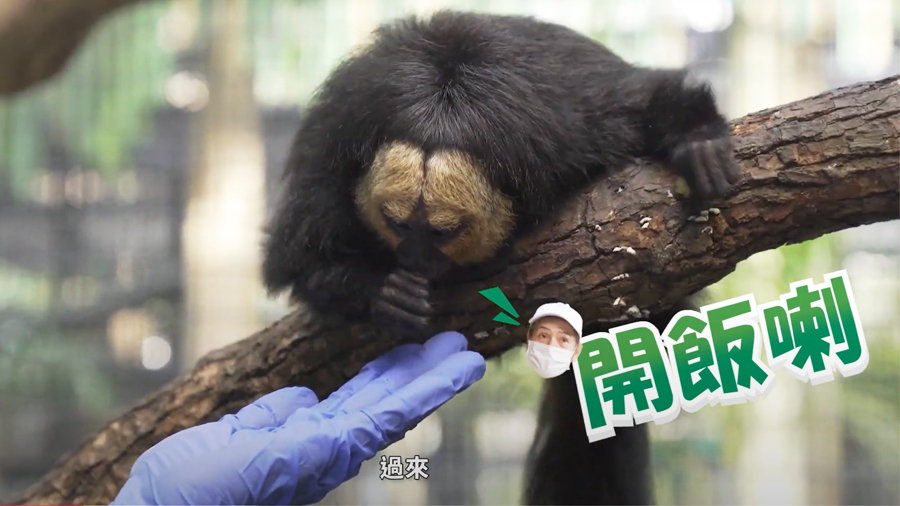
(444,201)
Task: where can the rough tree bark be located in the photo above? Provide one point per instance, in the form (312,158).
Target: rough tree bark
(38,37)
(812,167)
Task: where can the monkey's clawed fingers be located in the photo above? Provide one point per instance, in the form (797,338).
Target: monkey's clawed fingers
(708,164)
(403,305)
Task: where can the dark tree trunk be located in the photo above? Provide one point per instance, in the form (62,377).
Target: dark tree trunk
(812,167)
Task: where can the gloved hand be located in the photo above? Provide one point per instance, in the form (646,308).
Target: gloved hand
(289,448)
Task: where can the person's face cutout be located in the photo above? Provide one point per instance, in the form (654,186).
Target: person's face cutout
(554,331)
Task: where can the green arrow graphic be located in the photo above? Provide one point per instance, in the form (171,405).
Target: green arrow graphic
(496,296)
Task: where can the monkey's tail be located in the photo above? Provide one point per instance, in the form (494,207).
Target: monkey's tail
(563,468)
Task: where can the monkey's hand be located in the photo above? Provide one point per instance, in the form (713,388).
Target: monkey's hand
(403,305)
(706,159)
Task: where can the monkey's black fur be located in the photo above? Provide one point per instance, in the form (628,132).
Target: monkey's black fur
(541,106)
(544,110)
(564,468)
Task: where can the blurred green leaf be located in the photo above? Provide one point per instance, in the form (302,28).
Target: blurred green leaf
(47,365)
(100,102)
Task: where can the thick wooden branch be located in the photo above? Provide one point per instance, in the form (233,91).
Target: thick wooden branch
(38,37)
(812,167)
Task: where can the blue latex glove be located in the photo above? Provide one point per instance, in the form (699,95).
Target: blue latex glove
(289,448)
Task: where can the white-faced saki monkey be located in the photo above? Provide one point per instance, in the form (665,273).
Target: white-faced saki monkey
(427,153)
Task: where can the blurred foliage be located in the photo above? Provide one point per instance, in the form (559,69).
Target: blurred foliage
(24,290)
(510,381)
(870,401)
(872,408)
(98,105)
(37,362)
(101,102)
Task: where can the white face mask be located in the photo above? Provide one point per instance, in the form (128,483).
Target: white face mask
(548,361)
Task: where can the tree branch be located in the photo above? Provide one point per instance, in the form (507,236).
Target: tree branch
(38,37)
(812,167)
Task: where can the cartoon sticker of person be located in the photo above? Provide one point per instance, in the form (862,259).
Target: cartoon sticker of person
(554,339)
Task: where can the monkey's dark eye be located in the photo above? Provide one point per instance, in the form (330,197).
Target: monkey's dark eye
(445,234)
(396,226)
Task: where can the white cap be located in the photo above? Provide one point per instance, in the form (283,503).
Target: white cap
(560,310)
